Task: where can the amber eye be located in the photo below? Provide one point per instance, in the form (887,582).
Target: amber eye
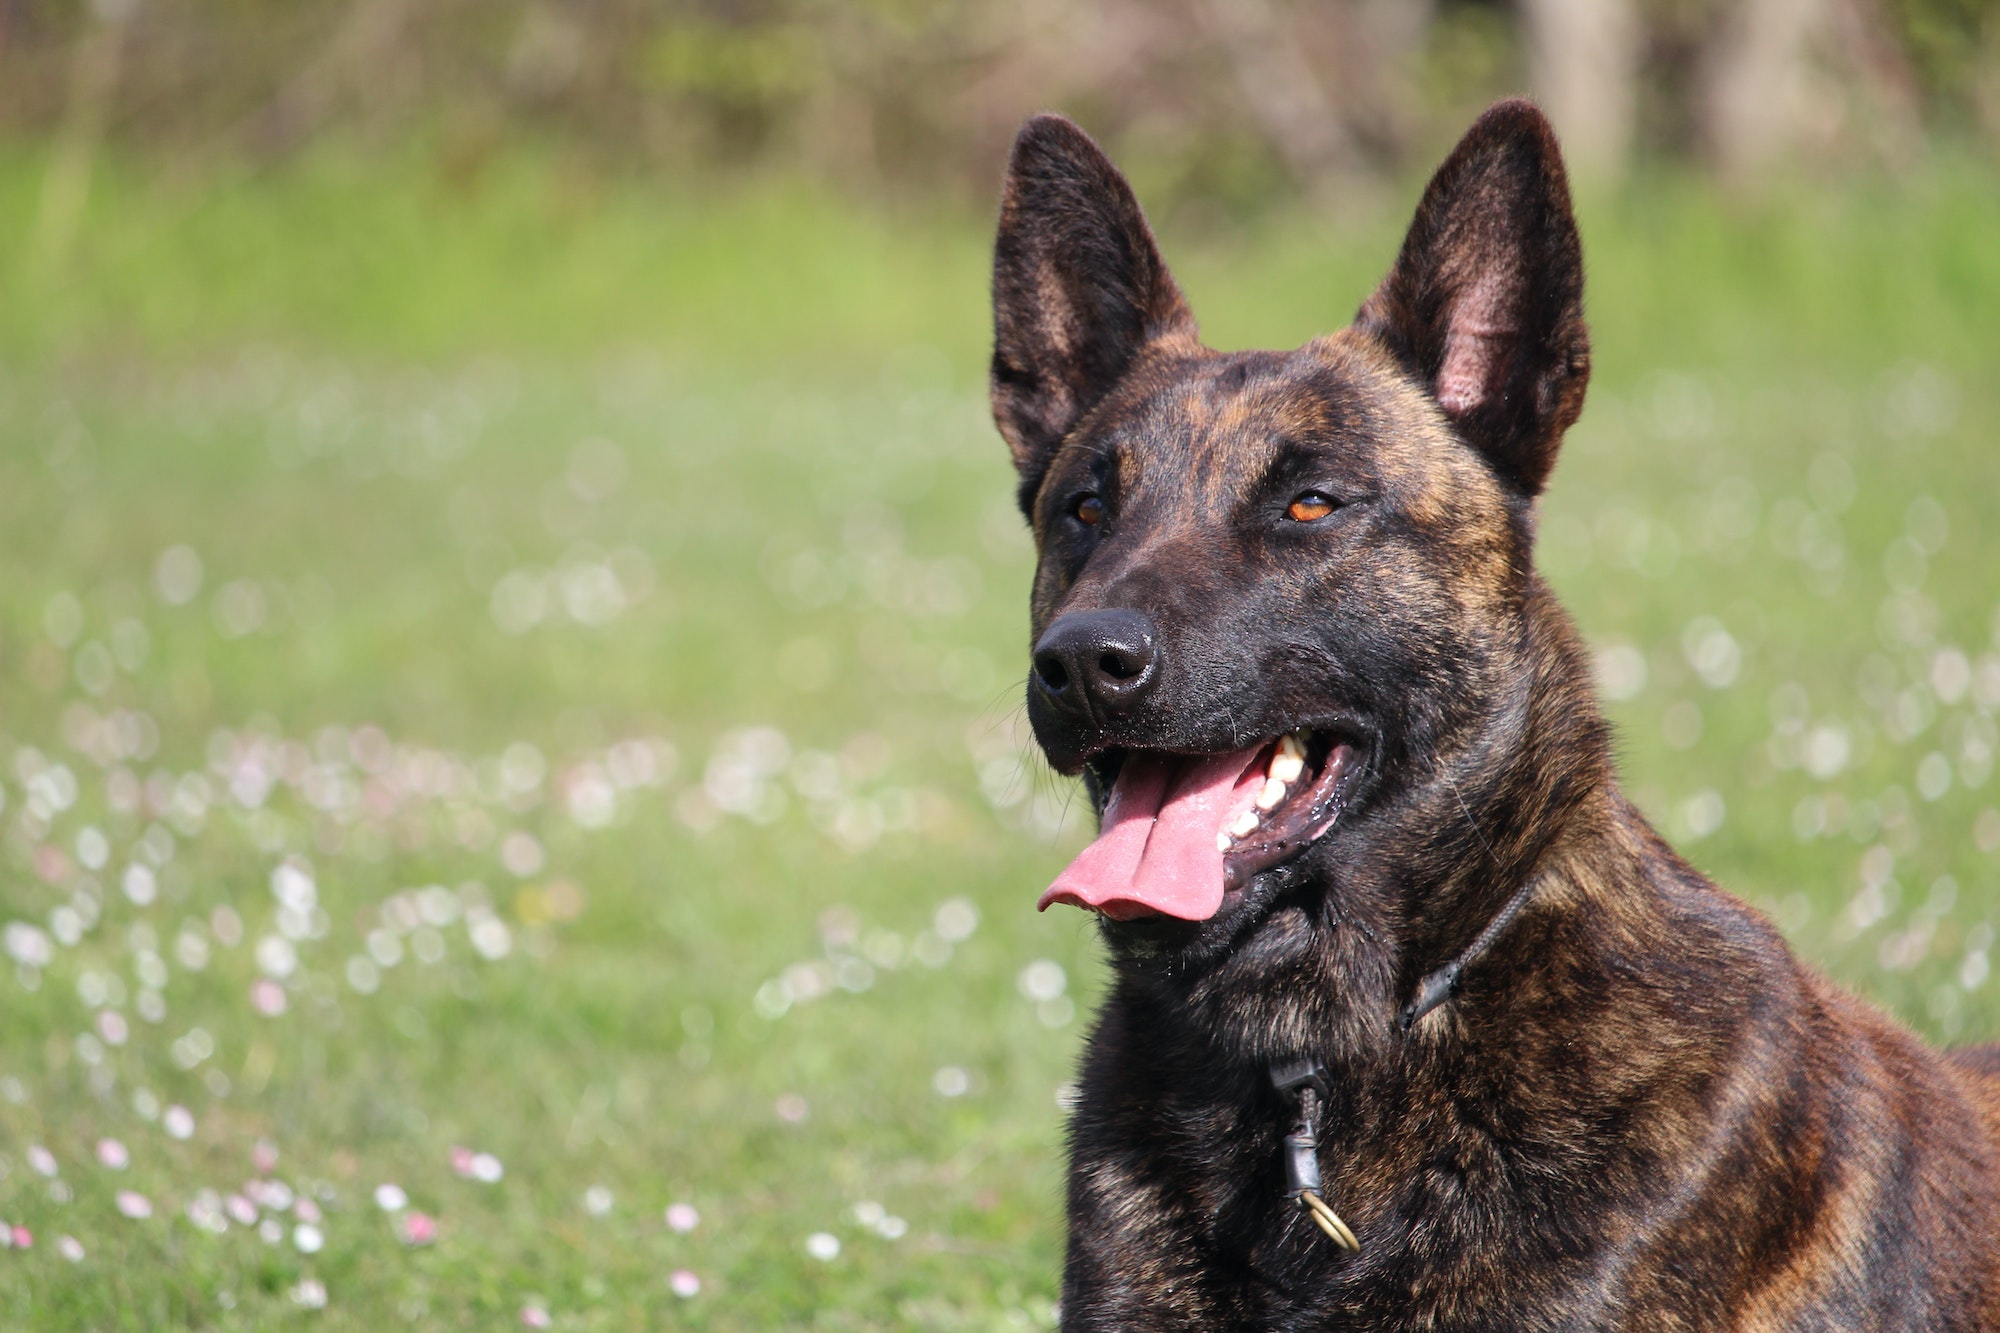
(1090,510)
(1309,506)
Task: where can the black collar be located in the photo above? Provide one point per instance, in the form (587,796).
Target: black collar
(1441,985)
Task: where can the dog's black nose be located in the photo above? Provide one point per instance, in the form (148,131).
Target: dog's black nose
(1097,660)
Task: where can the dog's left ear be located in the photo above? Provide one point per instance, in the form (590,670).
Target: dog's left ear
(1485,302)
(1078,290)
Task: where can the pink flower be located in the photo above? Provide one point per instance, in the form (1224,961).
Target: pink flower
(268,997)
(480,1166)
(534,1316)
(264,1156)
(418,1228)
(24,1239)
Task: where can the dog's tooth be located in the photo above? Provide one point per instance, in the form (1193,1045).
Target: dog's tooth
(1223,842)
(1287,767)
(1271,795)
(1245,825)
(1292,745)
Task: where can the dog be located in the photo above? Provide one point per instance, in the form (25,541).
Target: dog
(1414,1022)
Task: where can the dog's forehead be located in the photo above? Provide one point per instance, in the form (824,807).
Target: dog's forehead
(1231,412)
(1221,419)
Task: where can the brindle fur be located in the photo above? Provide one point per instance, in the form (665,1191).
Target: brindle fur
(1640,1111)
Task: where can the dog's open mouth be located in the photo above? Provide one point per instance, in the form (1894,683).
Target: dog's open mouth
(1181,831)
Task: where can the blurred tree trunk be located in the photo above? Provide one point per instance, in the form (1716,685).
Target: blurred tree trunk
(358,61)
(1986,84)
(1781,76)
(1386,102)
(1583,63)
(1279,87)
(93,85)
(1756,93)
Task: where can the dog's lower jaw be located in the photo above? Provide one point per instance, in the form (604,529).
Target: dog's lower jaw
(1182,951)
(1268,991)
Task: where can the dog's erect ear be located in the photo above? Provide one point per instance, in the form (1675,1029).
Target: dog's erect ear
(1485,302)
(1078,290)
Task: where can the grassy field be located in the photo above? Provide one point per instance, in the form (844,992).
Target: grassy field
(515,802)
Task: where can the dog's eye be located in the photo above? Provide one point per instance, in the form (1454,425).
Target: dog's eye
(1311,505)
(1089,510)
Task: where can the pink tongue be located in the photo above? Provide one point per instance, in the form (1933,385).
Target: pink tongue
(1157,851)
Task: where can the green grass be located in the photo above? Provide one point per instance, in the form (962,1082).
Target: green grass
(390,415)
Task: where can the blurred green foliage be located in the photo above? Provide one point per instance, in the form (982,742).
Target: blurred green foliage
(1233,103)
(1951,44)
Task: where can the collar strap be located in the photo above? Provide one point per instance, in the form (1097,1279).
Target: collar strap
(1441,985)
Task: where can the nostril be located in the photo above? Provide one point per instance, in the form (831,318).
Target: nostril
(1050,671)
(1120,666)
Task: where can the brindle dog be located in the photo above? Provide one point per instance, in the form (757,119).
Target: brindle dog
(1564,1081)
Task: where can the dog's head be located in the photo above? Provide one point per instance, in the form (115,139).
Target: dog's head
(1274,587)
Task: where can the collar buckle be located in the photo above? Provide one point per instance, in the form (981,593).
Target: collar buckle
(1305,1081)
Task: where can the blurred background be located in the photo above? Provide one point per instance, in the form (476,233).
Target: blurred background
(514,804)
(1228,104)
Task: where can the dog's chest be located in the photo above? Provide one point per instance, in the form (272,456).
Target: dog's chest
(1214,1209)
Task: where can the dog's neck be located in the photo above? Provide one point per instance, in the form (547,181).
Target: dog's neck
(1532,776)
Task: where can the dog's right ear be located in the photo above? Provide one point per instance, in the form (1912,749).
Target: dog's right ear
(1485,302)
(1078,290)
